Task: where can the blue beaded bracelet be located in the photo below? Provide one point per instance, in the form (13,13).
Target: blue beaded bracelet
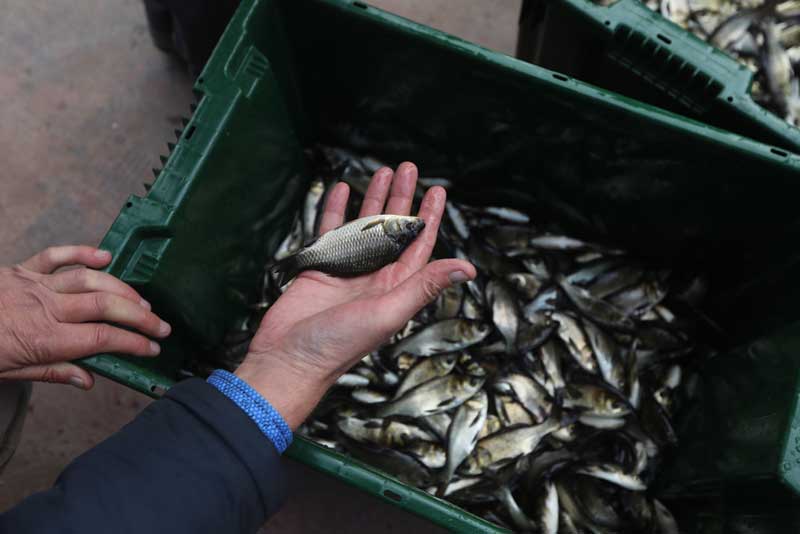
(267,418)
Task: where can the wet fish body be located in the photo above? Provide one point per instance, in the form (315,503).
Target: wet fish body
(445,336)
(358,247)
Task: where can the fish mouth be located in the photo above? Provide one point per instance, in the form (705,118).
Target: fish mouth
(416,226)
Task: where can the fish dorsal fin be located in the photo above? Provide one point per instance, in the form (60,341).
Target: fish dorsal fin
(376,222)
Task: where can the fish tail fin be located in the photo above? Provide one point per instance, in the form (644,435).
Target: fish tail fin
(285,269)
(444,481)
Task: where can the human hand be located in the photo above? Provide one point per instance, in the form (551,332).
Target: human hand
(48,318)
(322,325)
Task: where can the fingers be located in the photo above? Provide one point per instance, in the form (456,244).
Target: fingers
(80,340)
(54,258)
(431,209)
(376,194)
(420,289)
(56,373)
(87,281)
(107,307)
(404,184)
(335,206)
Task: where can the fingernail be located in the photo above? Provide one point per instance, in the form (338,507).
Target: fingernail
(164,328)
(458,277)
(77,382)
(102,254)
(155,348)
(144,304)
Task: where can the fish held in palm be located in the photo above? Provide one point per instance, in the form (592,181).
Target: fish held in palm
(358,247)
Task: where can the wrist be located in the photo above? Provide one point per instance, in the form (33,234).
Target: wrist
(292,391)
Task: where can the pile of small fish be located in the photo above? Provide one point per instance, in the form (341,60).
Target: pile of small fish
(763,35)
(538,396)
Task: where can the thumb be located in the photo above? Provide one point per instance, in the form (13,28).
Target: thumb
(57,373)
(422,288)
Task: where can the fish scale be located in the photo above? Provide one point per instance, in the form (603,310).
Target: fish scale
(358,247)
(351,249)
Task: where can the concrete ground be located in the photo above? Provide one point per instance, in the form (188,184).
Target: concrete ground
(86,107)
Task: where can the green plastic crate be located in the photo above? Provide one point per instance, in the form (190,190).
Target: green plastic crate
(290,73)
(630,49)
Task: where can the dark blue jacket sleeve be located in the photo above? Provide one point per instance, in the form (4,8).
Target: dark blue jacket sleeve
(192,462)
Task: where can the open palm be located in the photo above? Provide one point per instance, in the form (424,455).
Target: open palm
(322,324)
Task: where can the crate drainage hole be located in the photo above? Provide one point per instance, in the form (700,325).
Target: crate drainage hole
(392,495)
(189,133)
(665,39)
(560,77)
(362,5)
(608,23)
(778,152)
(129,205)
(730,99)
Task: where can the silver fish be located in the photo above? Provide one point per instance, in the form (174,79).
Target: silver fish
(292,242)
(505,313)
(551,355)
(573,337)
(427,369)
(597,309)
(734,28)
(383,432)
(558,242)
(445,336)
(437,395)
(352,380)
(368,396)
(603,423)
(638,299)
(358,247)
(462,436)
(520,519)
(588,274)
(615,475)
(614,280)
(502,447)
(311,207)
(456,218)
(428,182)
(607,356)
(507,214)
(548,509)
(528,393)
(455,486)
(595,401)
